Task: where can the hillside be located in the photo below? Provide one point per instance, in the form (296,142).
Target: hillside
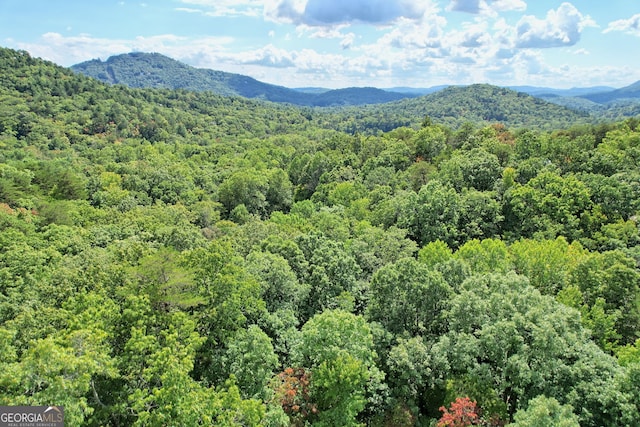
(170,257)
(453,106)
(153,70)
(628,92)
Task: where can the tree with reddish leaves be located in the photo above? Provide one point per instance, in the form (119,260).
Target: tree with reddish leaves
(292,391)
(461,413)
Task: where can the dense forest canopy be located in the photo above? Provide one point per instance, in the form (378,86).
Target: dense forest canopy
(178,258)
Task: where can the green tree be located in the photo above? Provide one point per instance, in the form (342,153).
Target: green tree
(429,141)
(332,274)
(338,348)
(611,281)
(543,411)
(548,206)
(251,360)
(486,256)
(472,169)
(546,262)
(407,297)
(248,187)
(496,320)
(432,214)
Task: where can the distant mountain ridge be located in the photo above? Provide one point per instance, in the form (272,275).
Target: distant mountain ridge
(628,92)
(478,103)
(154,70)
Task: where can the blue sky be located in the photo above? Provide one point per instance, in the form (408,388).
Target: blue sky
(340,43)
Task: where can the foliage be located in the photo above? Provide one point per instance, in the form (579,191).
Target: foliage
(461,413)
(170,257)
(543,411)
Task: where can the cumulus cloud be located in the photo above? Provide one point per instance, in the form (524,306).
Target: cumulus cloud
(268,56)
(629,26)
(507,5)
(562,27)
(69,50)
(475,38)
(335,12)
(424,35)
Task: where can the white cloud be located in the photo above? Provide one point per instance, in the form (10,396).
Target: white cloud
(268,56)
(629,26)
(284,11)
(68,51)
(347,41)
(486,7)
(562,27)
(581,52)
(224,7)
(420,49)
(428,34)
(336,12)
(322,32)
(475,36)
(508,5)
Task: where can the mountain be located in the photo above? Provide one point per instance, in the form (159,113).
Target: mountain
(628,92)
(547,92)
(153,70)
(455,105)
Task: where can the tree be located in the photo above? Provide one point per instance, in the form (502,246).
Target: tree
(167,283)
(543,411)
(251,360)
(434,253)
(463,412)
(280,288)
(338,348)
(292,392)
(231,298)
(332,274)
(414,381)
(476,169)
(611,281)
(496,321)
(279,195)
(408,298)
(546,262)
(248,187)
(429,141)
(548,206)
(486,256)
(432,214)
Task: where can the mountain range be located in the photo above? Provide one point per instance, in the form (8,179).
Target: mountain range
(153,70)
(142,70)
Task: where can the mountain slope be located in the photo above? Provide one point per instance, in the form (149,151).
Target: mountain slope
(545,92)
(140,70)
(627,92)
(480,103)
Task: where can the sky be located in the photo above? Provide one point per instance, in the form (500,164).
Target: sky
(342,43)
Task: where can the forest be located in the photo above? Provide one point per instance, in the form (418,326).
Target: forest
(177,258)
